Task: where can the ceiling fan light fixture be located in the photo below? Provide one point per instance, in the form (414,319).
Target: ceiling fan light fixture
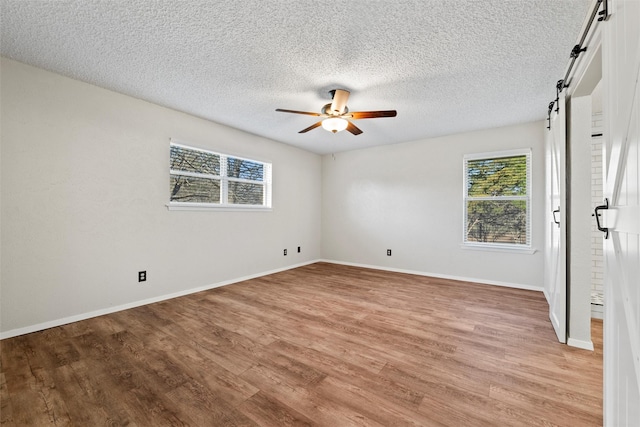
(335,124)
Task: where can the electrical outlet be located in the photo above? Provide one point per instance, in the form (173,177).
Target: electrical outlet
(142,276)
(285,252)
(298,249)
(388,252)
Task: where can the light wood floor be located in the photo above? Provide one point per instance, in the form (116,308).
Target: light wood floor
(319,345)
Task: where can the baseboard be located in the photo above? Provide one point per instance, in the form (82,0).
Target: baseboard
(439,276)
(76,318)
(585,345)
(597,311)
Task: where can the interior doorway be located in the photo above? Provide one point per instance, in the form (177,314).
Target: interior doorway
(585,275)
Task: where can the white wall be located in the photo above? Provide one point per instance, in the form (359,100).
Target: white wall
(408,198)
(84,187)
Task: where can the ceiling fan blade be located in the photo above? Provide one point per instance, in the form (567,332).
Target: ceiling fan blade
(339,103)
(371,114)
(298,112)
(313,126)
(353,129)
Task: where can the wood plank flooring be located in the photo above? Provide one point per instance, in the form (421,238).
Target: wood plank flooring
(323,344)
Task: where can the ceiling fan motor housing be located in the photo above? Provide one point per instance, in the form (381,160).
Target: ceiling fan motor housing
(326,109)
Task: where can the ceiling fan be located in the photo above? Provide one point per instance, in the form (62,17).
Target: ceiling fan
(336,114)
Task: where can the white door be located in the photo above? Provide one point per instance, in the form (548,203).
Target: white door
(555,267)
(621,91)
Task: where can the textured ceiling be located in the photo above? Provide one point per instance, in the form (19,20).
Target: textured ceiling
(446,66)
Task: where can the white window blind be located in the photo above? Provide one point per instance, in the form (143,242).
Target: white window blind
(497,199)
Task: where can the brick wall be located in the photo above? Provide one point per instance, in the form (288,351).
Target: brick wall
(597,262)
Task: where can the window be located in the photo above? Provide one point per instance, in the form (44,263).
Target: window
(205,179)
(497,200)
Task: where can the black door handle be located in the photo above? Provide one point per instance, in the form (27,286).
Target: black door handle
(554,216)
(596,213)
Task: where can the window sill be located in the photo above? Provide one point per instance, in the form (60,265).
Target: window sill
(211,207)
(498,248)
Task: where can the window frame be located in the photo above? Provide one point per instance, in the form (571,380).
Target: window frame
(224,183)
(491,246)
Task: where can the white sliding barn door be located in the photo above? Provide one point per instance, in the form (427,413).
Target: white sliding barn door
(555,265)
(621,71)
